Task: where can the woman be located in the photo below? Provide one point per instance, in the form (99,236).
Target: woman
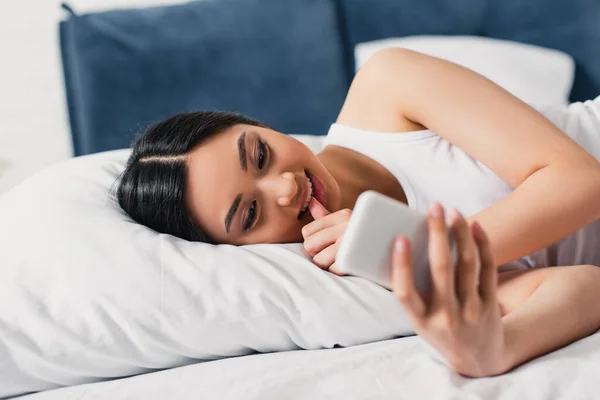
(533,190)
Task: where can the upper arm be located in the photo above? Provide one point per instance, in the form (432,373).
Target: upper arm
(371,106)
(469,111)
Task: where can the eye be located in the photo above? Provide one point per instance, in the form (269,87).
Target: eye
(251,216)
(262,154)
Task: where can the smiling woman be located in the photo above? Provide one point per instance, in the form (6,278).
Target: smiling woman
(221,177)
(152,186)
(422,131)
(250,184)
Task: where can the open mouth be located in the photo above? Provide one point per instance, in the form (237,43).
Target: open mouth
(309,196)
(316,190)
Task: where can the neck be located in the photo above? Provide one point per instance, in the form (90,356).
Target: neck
(356,173)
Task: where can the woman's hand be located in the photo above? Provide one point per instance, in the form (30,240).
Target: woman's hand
(322,236)
(461,317)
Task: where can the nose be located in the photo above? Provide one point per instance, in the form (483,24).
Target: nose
(282,187)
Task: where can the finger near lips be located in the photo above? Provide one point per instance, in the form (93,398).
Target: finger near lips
(316,209)
(466,266)
(440,260)
(402,278)
(488,275)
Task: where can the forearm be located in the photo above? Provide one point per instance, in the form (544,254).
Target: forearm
(550,204)
(565,307)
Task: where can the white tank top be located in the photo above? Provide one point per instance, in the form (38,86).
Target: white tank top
(429,168)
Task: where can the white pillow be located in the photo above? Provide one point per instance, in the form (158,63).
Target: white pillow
(532,73)
(87,294)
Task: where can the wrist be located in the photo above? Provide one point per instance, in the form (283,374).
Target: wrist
(510,355)
(503,361)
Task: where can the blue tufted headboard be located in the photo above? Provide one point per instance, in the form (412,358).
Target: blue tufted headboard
(288,63)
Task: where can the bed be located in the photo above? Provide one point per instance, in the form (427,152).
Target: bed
(116,311)
(76,320)
(391,369)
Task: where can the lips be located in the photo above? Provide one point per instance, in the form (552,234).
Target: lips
(318,192)
(318,189)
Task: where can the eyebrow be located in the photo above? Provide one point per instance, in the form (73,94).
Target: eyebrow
(241,144)
(242,150)
(232,210)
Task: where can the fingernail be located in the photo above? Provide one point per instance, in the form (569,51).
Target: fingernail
(400,245)
(455,214)
(435,210)
(476,227)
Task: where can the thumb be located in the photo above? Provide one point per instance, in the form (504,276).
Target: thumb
(316,209)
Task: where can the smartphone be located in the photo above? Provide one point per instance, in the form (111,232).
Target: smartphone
(366,246)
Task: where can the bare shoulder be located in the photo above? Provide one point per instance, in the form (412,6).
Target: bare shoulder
(369,104)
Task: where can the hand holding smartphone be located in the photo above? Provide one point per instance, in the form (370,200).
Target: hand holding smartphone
(366,247)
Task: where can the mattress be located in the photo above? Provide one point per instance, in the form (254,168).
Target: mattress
(393,369)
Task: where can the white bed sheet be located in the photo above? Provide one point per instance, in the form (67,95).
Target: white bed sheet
(393,369)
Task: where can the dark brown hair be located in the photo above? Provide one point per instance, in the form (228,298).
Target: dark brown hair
(152,186)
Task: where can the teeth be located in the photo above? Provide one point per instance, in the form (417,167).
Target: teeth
(309,196)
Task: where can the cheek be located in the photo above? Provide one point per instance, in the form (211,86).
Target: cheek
(293,149)
(279,229)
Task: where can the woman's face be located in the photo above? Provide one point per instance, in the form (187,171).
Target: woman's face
(249,184)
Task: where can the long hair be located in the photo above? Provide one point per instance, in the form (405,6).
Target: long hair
(152,186)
